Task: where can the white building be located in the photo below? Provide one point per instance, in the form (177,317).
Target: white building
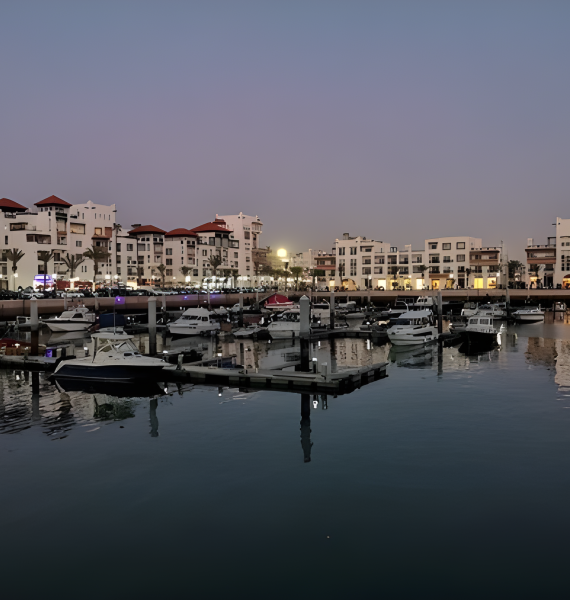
(246,231)
(443,262)
(549,264)
(55,225)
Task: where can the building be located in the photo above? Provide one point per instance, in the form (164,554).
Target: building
(57,226)
(549,264)
(451,262)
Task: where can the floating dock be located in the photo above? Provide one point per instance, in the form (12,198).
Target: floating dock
(323,382)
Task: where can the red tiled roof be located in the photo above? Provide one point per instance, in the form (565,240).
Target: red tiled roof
(181,232)
(214,226)
(53,201)
(11,205)
(146,229)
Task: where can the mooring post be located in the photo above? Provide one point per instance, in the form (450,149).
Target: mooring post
(369,301)
(65,302)
(439,313)
(306,443)
(332,312)
(152,325)
(305,331)
(35,326)
(240,323)
(96,302)
(256,299)
(209,305)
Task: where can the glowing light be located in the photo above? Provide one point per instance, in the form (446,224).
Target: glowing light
(282,253)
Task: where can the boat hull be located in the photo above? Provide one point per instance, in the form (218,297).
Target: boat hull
(117,373)
(479,338)
(180,330)
(402,339)
(529,318)
(66,327)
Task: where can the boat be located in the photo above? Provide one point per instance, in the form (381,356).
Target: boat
(194,321)
(76,319)
(529,314)
(491,310)
(412,328)
(321,310)
(469,309)
(114,357)
(250,331)
(287,326)
(278,302)
(400,307)
(481,331)
(457,323)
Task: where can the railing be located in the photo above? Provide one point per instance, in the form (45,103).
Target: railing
(542,246)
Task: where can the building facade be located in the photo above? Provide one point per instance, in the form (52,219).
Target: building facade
(549,264)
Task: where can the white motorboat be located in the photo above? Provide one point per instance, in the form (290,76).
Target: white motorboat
(400,307)
(481,331)
(194,321)
(529,314)
(491,310)
(289,325)
(469,309)
(321,310)
(76,319)
(114,357)
(458,323)
(413,328)
(245,332)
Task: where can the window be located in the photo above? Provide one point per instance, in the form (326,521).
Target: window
(169,261)
(377,270)
(461,258)
(447,259)
(433,245)
(204,253)
(367,270)
(460,245)
(17,226)
(353,267)
(129,247)
(98,231)
(118,247)
(169,252)
(341,251)
(77,228)
(365,261)
(78,243)
(169,272)
(378,260)
(392,260)
(5,240)
(246,235)
(446,246)
(353,250)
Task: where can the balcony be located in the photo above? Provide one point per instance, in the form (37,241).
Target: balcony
(434,261)
(62,241)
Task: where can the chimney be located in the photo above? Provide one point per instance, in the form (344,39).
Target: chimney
(345,236)
(530,242)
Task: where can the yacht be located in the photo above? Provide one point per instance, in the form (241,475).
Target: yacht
(529,314)
(480,330)
(278,302)
(458,323)
(491,310)
(289,325)
(194,321)
(76,319)
(114,357)
(400,307)
(321,310)
(412,328)
(248,331)
(469,309)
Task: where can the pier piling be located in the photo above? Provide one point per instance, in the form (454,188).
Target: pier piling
(305,331)
(152,325)
(35,326)
(332,311)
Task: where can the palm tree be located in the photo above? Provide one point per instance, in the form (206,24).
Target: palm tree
(534,270)
(235,275)
(296,272)
(44,256)
(162,270)
(467,273)
(98,255)
(215,261)
(72,262)
(185,270)
(14,256)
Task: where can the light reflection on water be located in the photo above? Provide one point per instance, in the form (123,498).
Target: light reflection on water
(454,469)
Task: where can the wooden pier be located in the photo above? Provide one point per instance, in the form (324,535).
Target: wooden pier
(284,380)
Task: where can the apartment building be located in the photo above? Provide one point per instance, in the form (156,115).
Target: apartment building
(549,264)
(57,226)
(245,235)
(443,262)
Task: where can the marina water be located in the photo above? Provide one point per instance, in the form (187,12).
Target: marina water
(449,478)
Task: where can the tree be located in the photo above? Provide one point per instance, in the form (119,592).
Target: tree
(514,266)
(314,273)
(162,270)
(14,256)
(98,255)
(185,270)
(534,270)
(235,275)
(44,256)
(467,273)
(72,263)
(215,261)
(296,272)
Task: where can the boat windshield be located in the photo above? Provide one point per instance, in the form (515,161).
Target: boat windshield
(106,345)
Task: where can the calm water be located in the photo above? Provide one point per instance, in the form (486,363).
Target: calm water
(448,479)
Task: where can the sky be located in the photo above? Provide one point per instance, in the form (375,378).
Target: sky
(395,120)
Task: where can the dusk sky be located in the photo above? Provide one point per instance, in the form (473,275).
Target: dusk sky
(398,120)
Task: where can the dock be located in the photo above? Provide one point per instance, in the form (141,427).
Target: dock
(280,379)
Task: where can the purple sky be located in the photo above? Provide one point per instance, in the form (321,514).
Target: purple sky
(394,120)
